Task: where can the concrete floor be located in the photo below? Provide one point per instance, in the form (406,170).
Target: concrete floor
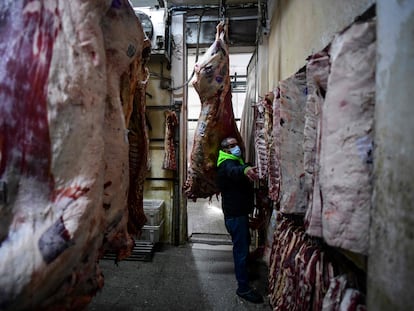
(196,276)
(188,277)
(206,222)
(205,217)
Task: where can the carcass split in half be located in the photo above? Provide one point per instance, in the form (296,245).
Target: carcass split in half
(216,120)
(63,147)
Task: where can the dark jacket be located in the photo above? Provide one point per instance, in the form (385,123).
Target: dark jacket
(236,189)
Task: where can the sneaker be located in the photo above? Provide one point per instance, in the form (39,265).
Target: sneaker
(251,296)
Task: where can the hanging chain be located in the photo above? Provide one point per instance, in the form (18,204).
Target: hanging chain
(223,12)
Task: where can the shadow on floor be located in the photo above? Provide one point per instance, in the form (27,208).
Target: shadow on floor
(189,277)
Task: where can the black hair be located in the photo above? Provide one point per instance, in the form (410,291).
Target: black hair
(225,142)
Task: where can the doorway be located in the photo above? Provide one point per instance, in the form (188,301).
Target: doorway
(205,220)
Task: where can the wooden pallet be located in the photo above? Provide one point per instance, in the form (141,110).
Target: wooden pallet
(143,251)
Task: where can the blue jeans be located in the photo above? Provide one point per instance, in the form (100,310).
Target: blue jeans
(238,227)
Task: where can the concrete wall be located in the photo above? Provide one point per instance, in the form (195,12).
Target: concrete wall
(159,184)
(300,28)
(166,184)
(391,258)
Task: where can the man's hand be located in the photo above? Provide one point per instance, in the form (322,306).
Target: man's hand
(252,173)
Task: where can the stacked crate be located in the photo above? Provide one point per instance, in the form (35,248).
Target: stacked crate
(152,230)
(151,233)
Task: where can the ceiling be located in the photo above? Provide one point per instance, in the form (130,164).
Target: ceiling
(207,2)
(202,17)
(176,3)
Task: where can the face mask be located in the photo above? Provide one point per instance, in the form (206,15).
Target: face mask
(236,151)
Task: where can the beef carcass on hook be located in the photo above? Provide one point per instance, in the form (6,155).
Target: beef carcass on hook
(216,120)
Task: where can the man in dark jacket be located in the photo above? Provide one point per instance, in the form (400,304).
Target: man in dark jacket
(235,183)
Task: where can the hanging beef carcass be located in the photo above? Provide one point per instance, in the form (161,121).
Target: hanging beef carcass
(60,113)
(292,122)
(299,271)
(262,133)
(216,120)
(123,58)
(340,296)
(346,141)
(274,150)
(171,123)
(305,275)
(259,138)
(317,71)
(135,84)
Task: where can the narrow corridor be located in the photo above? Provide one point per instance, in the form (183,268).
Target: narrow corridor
(189,277)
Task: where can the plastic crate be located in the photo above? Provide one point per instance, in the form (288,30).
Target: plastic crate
(152,233)
(153,210)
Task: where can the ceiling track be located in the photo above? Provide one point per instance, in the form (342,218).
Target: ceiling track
(212,7)
(194,19)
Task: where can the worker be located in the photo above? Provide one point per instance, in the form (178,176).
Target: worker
(234,179)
